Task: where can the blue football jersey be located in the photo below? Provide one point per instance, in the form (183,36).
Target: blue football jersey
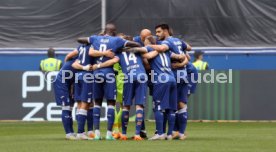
(66,68)
(68,65)
(191,68)
(84,58)
(161,65)
(175,45)
(138,40)
(131,63)
(103,43)
(83,55)
(178,47)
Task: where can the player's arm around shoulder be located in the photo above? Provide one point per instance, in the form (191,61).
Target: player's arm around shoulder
(165,46)
(135,50)
(107,63)
(151,51)
(71,55)
(131,44)
(160,48)
(188,46)
(182,58)
(78,66)
(97,53)
(178,57)
(188,56)
(150,54)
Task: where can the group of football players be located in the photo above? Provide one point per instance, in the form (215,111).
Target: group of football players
(118,67)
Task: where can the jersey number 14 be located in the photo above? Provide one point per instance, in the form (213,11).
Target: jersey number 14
(131,57)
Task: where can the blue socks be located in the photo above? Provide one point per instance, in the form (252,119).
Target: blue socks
(90,119)
(159,118)
(162,119)
(182,120)
(96,117)
(143,127)
(176,125)
(165,122)
(71,123)
(171,121)
(125,118)
(66,117)
(139,120)
(82,115)
(110,117)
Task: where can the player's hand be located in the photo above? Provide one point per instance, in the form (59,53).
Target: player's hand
(94,67)
(175,65)
(109,53)
(87,67)
(182,57)
(91,68)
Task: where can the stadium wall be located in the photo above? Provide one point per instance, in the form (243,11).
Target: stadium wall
(219,58)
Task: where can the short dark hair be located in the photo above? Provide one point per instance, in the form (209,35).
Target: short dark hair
(51,52)
(198,53)
(110,29)
(171,31)
(163,27)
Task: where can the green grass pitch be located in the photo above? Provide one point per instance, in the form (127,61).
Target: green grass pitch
(202,137)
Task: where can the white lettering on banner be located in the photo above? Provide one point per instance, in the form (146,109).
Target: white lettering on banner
(37,106)
(63,73)
(53,112)
(40,87)
(26,88)
(49,79)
